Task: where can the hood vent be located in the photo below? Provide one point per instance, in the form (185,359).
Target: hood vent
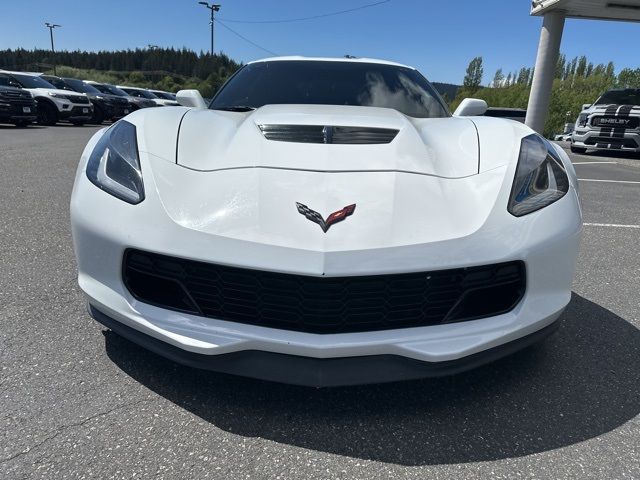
(328,134)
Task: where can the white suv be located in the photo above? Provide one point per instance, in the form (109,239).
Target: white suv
(53,104)
(144,93)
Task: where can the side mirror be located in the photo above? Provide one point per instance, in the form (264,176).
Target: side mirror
(471,107)
(190,98)
(585,106)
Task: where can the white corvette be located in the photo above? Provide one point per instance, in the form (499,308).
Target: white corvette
(325,222)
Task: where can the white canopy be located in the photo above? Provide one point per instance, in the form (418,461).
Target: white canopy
(623,10)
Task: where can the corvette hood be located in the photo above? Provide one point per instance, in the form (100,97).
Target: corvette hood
(286,208)
(212,140)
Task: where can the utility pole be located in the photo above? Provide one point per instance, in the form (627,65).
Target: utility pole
(214,7)
(51,26)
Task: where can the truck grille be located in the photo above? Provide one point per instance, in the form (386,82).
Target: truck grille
(78,99)
(17,94)
(323,305)
(616,122)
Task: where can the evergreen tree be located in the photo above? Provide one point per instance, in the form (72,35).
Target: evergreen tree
(498,79)
(581,69)
(561,66)
(589,71)
(473,77)
(610,70)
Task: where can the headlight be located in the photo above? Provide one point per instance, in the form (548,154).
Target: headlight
(61,96)
(114,165)
(582,120)
(540,177)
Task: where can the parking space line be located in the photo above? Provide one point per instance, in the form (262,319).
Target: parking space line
(614,225)
(607,181)
(592,163)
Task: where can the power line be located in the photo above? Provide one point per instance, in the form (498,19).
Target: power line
(287,20)
(244,38)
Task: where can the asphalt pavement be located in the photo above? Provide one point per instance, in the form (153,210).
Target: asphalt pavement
(78,402)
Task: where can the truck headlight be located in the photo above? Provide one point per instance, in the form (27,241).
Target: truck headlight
(582,120)
(540,179)
(114,164)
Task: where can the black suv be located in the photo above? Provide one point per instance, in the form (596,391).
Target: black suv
(136,102)
(17,106)
(105,106)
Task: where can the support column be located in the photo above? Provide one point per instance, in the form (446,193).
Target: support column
(548,51)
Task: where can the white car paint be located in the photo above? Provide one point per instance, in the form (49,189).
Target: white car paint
(434,198)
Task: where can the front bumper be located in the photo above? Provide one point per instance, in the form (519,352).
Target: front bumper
(609,139)
(315,372)
(120,111)
(14,111)
(115,111)
(76,112)
(105,227)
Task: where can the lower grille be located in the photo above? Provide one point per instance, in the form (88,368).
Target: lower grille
(605,142)
(78,99)
(323,304)
(18,95)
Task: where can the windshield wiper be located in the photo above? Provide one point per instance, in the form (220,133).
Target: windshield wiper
(236,108)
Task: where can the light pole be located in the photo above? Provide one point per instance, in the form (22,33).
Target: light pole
(214,7)
(51,26)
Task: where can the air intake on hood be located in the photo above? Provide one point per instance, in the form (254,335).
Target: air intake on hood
(328,134)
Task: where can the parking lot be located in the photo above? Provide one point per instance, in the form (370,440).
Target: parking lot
(77,401)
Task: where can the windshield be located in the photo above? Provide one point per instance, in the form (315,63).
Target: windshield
(29,81)
(331,83)
(165,96)
(134,92)
(630,96)
(80,86)
(104,88)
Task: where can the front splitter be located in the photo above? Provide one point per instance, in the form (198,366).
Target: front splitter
(319,372)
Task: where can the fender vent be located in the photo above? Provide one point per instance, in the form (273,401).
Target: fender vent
(328,134)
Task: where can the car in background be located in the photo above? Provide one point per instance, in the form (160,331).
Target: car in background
(53,104)
(611,123)
(144,93)
(161,94)
(17,105)
(135,102)
(517,114)
(106,106)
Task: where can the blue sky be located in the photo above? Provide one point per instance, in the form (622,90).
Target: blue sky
(438,37)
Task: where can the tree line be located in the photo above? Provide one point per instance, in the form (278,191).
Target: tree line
(162,68)
(577,82)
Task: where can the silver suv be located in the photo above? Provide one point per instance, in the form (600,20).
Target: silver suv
(611,123)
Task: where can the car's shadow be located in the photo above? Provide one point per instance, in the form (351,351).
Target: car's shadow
(578,384)
(13,127)
(614,154)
